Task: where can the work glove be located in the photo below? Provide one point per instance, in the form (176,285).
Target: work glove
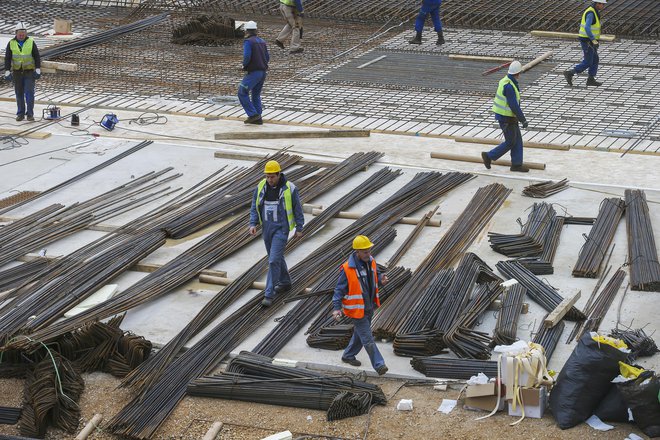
(37,73)
(7,75)
(525,124)
(594,43)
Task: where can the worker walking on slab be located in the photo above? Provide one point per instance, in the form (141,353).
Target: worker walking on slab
(255,61)
(432,8)
(23,65)
(292,11)
(506,106)
(588,36)
(357,294)
(276,207)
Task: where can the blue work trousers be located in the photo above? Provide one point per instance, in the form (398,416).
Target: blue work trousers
(24,88)
(275,236)
(590,60)
(512,142)
(252,84)
(362,337)
(434,11)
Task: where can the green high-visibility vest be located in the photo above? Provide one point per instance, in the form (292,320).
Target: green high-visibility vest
(21,57)
(500,105)
(288,202)
(595,26)
(288,2)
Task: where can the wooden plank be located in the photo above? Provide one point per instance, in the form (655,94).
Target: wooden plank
(478,58)
(56,65)
(562,308)
(569,35)
(357,215)
(285,134)
(239,155)
(33,135)
(475,159)
(546,146)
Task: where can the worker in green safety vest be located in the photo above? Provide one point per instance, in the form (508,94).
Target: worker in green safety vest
(292,11)
(589,36)
(506,106)
(23,66)
(276,207)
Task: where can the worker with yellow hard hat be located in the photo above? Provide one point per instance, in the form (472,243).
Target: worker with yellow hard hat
(356,294)
(276,207)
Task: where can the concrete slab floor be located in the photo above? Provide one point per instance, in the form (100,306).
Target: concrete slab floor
(593,175)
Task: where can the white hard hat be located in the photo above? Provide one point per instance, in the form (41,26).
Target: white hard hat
(250,26)
(515,67)
(20,26)
(600,1)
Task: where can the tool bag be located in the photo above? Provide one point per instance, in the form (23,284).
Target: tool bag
(585,379)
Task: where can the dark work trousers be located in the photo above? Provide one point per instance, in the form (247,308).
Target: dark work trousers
(590,60)
(362,337)
(24,88)
(512,142)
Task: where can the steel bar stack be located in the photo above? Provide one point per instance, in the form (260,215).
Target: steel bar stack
(642,252)
(639,343)
(548,337)
(600,237)
(596,311)
(537,290)
(9,415)
(543,264)
(394,259)
(584,221)
(508,316)
(545,189)
(447,368)
(530,241)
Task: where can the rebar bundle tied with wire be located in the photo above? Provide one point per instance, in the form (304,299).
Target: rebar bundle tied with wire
(447,368)
(600,237)
(548,337)
(206,29)
(508,316)
(642,252)
(531,239)
(9,415)
(639,343)
(543,264)
(545,189)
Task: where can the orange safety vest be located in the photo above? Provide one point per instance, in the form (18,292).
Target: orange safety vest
(353,301)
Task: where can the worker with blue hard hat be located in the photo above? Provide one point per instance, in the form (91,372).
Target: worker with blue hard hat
(23,66)
(276,207)
(432,8)
(255,62)
(506,106)
(589,36)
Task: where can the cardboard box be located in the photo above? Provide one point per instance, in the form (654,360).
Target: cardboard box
(483,403)
(486,389)
(62,26)
(534,400)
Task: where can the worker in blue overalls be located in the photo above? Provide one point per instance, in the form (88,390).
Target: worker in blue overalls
(276,207)
(23,66)
(429,7)
(255,62)
(506,106)
(588,36)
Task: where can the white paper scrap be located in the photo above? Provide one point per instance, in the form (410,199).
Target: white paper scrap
(598,424)
(405,405)
(633,436)
(447,405)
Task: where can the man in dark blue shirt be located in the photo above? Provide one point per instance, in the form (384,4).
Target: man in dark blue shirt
(255,62)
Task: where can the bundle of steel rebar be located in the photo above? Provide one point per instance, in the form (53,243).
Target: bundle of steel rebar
(394,259)
(259,380)
(9,415)
(508,316)
(448,368)
(600,237)
(531,239)
(453,243)
(642,252)
(542,265)
(639,343)
(537,290)
(596,311)
(545,189)
(548,337)
(584,221)
(14,276)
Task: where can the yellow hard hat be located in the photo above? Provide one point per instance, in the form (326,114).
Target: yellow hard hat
(362,242)
(272,167)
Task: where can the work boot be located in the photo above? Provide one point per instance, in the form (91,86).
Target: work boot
(354,362)
(568,74)
(279,44)
(441,39)
(591,81)
(382,370)
(298,50)
(19,118)
(519,168)
(486,159)
(254,119)
(281,288)
(266,302)
(30,118)
(417,39)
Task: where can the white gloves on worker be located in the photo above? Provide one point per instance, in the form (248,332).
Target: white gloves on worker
(7,73)
(37,71)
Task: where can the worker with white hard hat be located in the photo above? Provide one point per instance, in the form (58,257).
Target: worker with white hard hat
(276,207)
(255,62)
(356,296)
(292,11)
(506,106)
(23,66)
(589,35)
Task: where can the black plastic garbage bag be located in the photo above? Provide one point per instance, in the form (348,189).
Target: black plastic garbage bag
(641,395)
(584,381)
(613,408)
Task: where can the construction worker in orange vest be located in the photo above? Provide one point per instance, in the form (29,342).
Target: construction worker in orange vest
(357,294)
